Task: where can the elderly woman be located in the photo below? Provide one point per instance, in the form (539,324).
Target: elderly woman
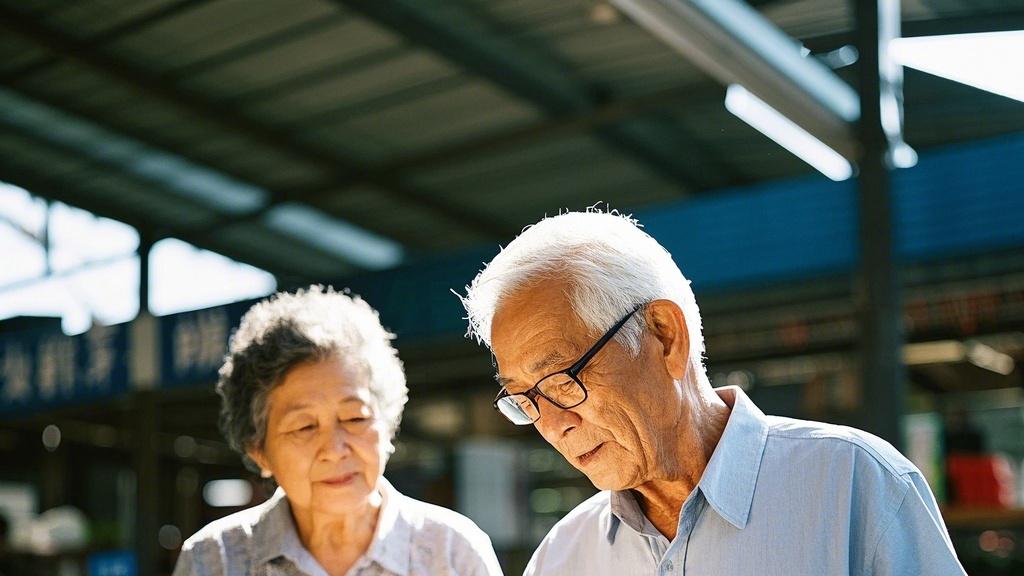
(312,392)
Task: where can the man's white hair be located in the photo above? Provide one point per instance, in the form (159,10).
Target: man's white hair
(610,266)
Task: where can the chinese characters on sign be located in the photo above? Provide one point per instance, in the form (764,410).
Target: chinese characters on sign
(46,369)
(193,344)
(200,341)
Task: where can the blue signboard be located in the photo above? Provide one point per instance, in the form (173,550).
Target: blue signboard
(45,369)
(193,344)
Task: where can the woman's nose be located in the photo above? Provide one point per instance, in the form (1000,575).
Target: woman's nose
(335,443)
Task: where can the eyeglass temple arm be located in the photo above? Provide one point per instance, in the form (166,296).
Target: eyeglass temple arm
(601,342)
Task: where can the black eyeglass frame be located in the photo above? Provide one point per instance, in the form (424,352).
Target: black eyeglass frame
(572,371)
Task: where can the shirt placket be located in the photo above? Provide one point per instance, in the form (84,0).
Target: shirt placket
(658,545)
(673,562)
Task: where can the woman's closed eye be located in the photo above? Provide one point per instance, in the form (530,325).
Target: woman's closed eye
(303,429)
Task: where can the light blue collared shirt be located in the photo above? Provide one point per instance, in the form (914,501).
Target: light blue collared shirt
(779,497)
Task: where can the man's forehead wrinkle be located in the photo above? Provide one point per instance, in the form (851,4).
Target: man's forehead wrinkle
(535,323)
(533,333)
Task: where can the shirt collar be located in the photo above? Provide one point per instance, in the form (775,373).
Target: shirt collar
(393,536)
(730,477)
(626,510)
(274,534)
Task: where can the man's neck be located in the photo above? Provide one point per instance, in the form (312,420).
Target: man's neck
(662,499)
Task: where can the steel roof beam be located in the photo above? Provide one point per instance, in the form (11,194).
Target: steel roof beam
(612,112)
(468,41)
(589,120)
(515,138)
(619,110)
(334,167)
(201,235)
(311,195)
(131,25)
(64,189)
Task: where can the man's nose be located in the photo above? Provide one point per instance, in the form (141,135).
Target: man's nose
(554,422)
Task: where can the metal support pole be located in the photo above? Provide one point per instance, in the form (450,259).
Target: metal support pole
(145,245)
(54,477)
(883,375)
(47,252)
(147,474)
(147,458)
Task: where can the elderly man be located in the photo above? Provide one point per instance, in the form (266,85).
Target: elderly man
(598,343)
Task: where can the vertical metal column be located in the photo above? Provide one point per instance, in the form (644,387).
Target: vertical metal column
(53,475)
(147,457)
(883,375)
(145,245)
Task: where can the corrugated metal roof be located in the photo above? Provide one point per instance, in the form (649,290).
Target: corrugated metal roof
(456,123)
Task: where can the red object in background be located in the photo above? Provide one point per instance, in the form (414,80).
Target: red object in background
(984,480)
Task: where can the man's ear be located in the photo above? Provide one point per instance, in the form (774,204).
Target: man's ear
(666,322)
(258,457)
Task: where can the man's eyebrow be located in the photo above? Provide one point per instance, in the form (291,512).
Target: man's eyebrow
(553,358)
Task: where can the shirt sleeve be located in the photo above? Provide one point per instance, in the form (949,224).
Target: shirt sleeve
(915,540)
(200,557)
(185,565)
(536,564)
(477,557)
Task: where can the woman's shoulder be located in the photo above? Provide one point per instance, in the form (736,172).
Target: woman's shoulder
(427,517)
(223,546)
(232,544)
(231,527)
(232,531)
(445,541)
(229,533)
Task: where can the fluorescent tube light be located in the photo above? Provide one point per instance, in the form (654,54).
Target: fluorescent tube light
(953,351)
(185,178)
(989,358)
(786,133)
(735,44)
(338,237)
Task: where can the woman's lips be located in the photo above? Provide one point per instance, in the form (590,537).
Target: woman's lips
(587,457)
(340,480)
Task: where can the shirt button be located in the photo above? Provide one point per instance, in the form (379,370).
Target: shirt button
(669,566)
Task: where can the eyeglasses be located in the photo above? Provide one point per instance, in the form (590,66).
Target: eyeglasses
(563,388)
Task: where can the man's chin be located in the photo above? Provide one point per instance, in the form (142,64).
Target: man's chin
(608,480)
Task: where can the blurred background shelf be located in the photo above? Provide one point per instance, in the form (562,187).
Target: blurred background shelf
(964,518)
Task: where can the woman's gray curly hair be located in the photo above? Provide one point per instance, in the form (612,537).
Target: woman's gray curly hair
(288,329)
